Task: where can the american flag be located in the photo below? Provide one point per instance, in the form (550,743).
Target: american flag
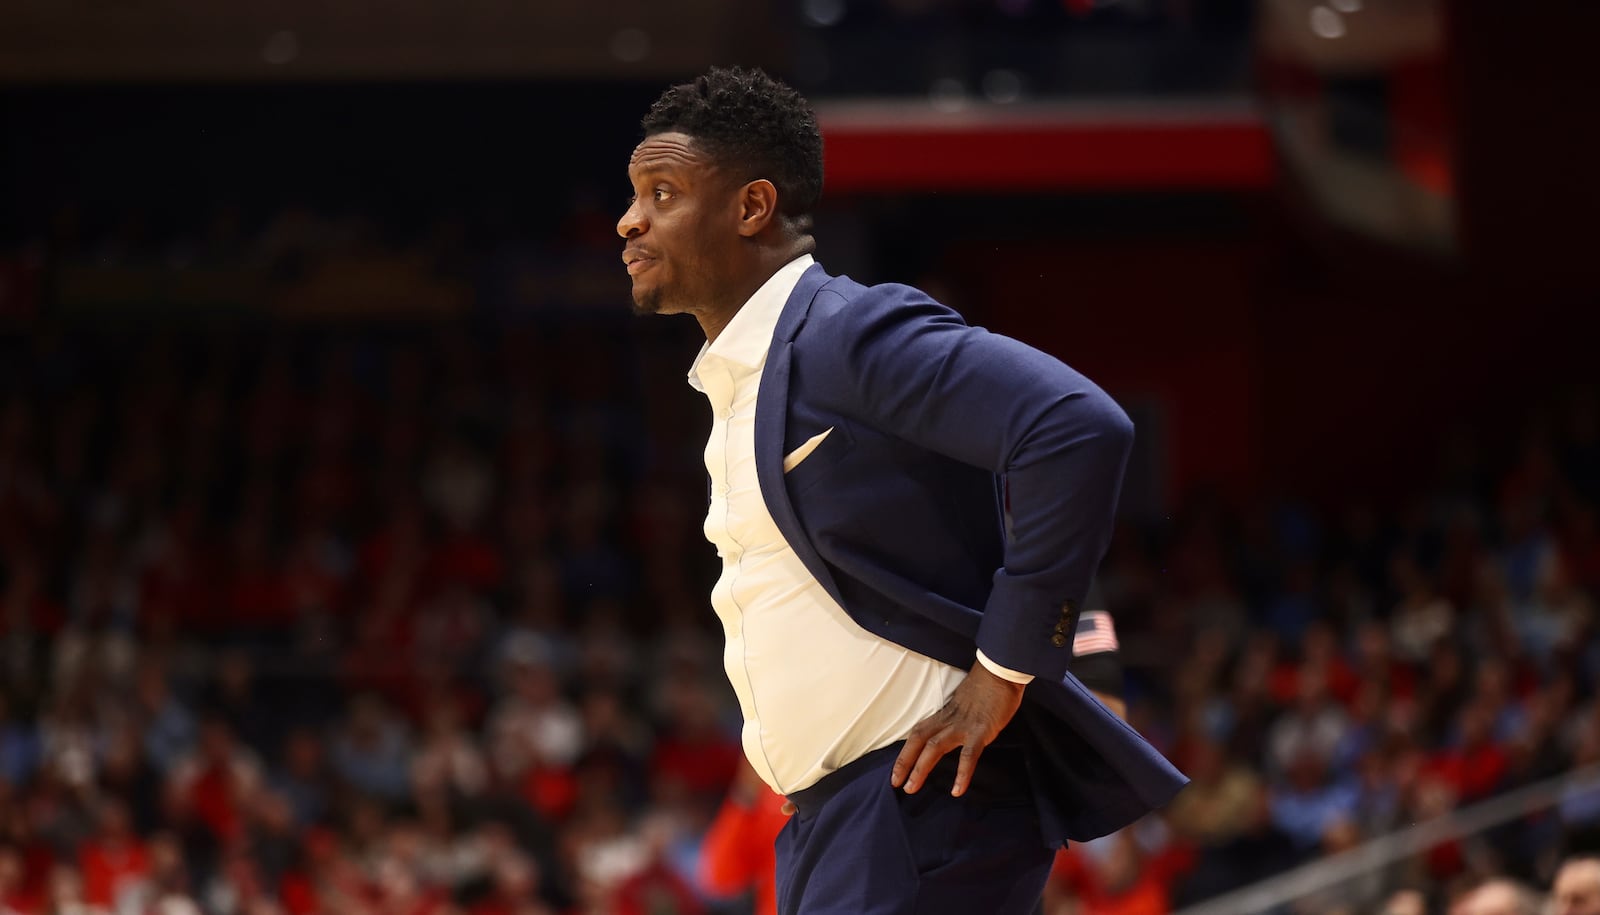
(1095,633)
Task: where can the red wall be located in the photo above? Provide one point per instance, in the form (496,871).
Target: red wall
(1169,322)
(1333,375)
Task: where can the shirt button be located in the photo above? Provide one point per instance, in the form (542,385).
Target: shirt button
(723,489)
(1059,640)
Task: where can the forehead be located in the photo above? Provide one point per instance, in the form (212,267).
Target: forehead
(1578,875)
(667,152)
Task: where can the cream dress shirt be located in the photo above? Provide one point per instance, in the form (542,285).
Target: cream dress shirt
(817,691)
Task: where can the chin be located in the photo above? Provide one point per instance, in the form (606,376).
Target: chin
(647,302)
(654,301)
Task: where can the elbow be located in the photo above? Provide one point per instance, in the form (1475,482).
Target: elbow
(1122,428)
(1113,429)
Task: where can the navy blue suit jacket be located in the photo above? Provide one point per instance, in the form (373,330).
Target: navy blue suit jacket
(898,513)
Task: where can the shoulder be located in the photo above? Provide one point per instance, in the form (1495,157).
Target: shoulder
(853,321)
(844,300)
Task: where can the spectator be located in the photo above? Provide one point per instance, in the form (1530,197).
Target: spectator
(1476,765)
(371,750)
(1576,890)
(169,726)
(1224,801)
(217,781)
(736,855)
(15,895)
(1406,902)
(114,862)
(1498,897)
(304,779)
(66,895)
(655,888)
(1114,875)
(1422,616)
(19,745)
(1311,802)
(534,723)
(447,757)
(515,883)
(1315,725)
(695,759)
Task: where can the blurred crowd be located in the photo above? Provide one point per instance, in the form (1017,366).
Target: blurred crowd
(1347,673)
(410,620)
(346,625)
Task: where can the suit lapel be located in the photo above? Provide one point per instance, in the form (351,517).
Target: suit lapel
(772,420)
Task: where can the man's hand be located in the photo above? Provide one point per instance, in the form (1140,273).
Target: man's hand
(971,720)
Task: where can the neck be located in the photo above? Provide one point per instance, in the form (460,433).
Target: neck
(768,260)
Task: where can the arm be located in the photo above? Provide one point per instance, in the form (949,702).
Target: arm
(922,374)
(918,372)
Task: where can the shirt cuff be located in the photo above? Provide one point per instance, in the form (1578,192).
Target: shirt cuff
(1004,673)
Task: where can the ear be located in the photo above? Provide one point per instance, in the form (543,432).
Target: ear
(758,207)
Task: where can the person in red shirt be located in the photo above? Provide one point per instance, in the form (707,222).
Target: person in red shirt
(114,858)
(213,780)
(737,852)
(1117,878)
(694,756)
(17,896)
(1476,765)
(655,891)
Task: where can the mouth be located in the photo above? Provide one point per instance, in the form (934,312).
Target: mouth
(637,261)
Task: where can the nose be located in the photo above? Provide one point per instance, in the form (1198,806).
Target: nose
(632,222)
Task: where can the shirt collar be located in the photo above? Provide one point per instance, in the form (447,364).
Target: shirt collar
(745,341)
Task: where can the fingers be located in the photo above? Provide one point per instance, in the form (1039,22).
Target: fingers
(909,753)
(931,752)
(965,766)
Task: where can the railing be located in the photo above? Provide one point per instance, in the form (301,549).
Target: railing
(1325,874)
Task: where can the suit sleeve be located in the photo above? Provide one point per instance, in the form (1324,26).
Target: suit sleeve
(921,373)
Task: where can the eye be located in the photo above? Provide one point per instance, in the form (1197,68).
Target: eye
(661,194)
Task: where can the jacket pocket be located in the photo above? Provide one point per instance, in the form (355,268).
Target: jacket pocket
(816,458)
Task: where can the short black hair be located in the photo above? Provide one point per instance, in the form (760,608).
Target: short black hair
(758,126)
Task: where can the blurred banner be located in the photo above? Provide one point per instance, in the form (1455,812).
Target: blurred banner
(892,147)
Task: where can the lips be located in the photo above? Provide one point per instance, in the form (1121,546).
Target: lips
(637,260)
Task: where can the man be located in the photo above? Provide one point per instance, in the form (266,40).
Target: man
(1577,887)
(908,511)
